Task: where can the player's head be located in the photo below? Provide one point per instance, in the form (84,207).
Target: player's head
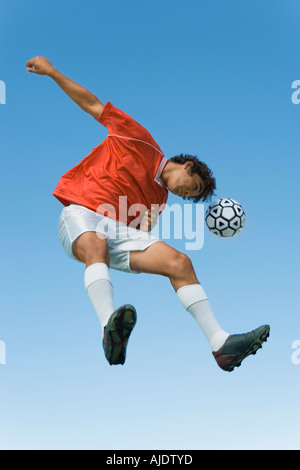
(191,180)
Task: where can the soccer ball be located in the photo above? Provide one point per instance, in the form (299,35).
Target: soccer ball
(225,217)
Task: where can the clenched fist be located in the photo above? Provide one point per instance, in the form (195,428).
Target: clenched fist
(39,65)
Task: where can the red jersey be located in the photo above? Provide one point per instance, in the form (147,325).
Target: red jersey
(120,175)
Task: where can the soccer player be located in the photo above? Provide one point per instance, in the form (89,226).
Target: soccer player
(128,174)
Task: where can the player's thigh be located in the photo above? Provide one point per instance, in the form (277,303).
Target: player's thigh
(160,258)
(91,247)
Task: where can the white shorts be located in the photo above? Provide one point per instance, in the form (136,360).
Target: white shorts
(76,220)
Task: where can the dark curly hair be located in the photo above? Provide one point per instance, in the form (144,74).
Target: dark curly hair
(203,171)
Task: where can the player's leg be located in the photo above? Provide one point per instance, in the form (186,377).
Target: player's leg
(91,248)
(162,259)
(228,350)
(117,324)
(93,252)
(83,235)
(77,232)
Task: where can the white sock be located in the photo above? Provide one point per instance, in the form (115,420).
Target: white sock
(194,300)
(100,291)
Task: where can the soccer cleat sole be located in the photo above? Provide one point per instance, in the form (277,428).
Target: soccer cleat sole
(255,346)
(117,333)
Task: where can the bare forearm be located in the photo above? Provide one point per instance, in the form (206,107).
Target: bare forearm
(81,96)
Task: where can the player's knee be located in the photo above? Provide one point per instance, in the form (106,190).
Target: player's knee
(180,265)
(97,252)
(185,263)
(89,248)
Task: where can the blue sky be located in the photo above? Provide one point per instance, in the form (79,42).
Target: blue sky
(211,78)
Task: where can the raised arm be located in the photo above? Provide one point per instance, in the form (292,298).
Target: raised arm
(82,97)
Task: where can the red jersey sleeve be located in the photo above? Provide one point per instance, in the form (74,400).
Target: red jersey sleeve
(121,124)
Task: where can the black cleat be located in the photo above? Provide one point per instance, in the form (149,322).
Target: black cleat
(237,347)
(117,332)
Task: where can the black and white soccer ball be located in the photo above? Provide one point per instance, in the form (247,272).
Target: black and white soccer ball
(225,217)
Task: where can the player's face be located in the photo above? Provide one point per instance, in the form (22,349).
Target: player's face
(184,183)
